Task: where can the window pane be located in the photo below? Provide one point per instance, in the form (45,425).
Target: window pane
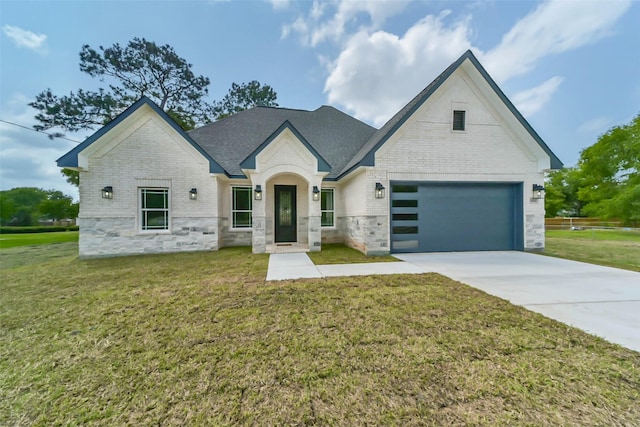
(155,199)
(241,219)
(327,219)
(155,208)
(404,203)
(405,217)
(405,188)
(155,220)
(326,202)
(242,199)
(405,244)
(405,230)
(458,120)
(241,207)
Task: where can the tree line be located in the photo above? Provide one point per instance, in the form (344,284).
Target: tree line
(605,182)
(27,206)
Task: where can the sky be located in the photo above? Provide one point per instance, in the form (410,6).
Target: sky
(572,67)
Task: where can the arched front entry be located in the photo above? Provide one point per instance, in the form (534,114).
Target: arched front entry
(287,209)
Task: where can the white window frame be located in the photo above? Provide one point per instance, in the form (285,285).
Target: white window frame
(333,211)
(143,210)
(233,210)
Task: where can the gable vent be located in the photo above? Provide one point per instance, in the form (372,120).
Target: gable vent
(458,119)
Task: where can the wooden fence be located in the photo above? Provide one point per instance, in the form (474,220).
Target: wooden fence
(570,223)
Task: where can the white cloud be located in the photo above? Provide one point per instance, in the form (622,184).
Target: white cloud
(532,100)
(25,38)
(376,71)
(597,124)
(554,27)
(330,21)
(376,74)
(280,4)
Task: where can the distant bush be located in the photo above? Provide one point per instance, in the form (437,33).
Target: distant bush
(37,229)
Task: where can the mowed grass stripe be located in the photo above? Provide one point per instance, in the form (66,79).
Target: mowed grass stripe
(28,239)
(612,248)
(201,339)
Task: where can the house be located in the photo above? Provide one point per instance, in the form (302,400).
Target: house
(457,169)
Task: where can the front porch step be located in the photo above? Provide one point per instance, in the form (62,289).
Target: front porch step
(287,248)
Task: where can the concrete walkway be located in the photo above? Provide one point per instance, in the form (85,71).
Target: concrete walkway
(299,266)
(600,300)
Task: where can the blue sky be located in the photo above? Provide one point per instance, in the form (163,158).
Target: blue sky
(570,66)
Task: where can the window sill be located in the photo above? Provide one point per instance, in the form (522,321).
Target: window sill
(150,232)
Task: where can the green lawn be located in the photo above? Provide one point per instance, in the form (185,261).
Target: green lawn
(201,339)
(28,239)
(613,248)
(618,235)
(341,254)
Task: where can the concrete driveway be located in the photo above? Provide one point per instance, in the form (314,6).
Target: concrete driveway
(600,300)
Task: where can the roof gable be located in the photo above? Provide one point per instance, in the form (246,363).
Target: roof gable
(331,134)
(70,159)
(366,155)
(250,161)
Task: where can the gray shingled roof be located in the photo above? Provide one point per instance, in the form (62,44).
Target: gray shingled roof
(336,136)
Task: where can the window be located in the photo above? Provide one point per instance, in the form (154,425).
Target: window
(241,207)
(327,207)
(154,208)
(458,119)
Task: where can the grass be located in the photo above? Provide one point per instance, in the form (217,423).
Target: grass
(613,248)
(200,338)
(336,253)
(597,234)
(28,239)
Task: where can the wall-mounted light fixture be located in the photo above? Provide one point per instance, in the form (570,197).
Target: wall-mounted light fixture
(193,194)
(107,192)
(316,193)
(258,192)
(537,191)
(379,191)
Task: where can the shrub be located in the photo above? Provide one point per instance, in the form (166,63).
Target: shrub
(37,229)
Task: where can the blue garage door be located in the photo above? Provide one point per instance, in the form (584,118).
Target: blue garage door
(450,217)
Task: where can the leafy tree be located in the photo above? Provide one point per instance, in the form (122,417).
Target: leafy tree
(561,195)
(7,209)
(244,96)
(140,68)
(26,205)
(58,206)
(610,171)
(22,204)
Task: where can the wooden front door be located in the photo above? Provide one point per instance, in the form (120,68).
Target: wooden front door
(285,213)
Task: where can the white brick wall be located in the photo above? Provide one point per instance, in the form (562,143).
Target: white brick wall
(144,151)
(425,148)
